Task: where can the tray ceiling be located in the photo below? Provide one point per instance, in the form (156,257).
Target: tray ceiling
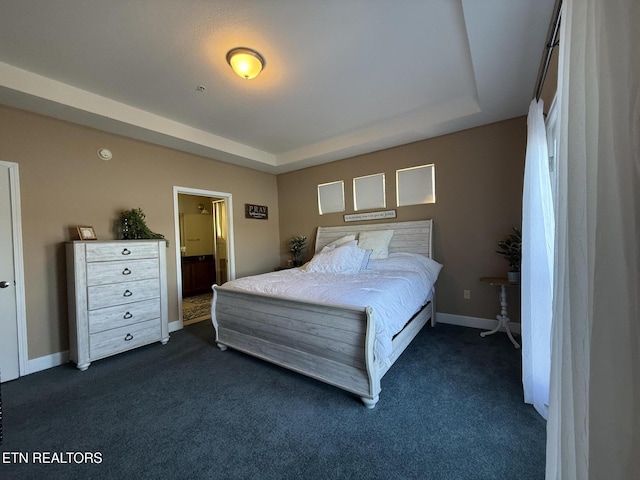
(342,78)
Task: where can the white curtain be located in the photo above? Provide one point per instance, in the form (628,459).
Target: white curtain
(593,431)
(537,264)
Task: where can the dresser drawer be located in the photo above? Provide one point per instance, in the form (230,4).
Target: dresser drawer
(102,273)
(121,315)
(101,296)
(124,338)
(105,252)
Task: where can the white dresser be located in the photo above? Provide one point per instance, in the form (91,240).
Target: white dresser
(117,297)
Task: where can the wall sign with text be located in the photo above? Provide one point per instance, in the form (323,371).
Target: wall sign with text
(356,217)
(261,212)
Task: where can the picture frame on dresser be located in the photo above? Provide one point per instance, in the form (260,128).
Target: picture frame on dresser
(86,232)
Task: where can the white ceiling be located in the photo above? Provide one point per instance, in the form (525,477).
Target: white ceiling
(342,77)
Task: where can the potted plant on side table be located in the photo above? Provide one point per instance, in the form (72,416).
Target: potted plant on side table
(296,246)
(511,249)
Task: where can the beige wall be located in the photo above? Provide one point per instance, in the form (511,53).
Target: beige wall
(478,200)
(63,184)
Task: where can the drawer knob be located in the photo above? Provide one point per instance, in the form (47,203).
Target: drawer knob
(126,251)
(128,338)
(127,316)
(126,271)
(127,293)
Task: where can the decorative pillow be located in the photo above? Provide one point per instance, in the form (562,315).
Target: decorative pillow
(345,259)
(378,241)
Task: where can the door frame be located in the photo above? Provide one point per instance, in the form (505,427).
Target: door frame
(231,264)
(18,266)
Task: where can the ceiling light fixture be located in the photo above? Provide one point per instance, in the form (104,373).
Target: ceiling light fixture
(247,63)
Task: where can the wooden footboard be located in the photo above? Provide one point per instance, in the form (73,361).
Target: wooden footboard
(331,343)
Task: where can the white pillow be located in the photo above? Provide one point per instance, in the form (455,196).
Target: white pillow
(343,240)
(332,246)
(378,241)
(346,259)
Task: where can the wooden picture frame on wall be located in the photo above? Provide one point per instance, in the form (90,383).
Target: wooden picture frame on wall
(86,232)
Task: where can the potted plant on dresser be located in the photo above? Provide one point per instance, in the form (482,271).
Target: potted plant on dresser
(133,226)
(511,249)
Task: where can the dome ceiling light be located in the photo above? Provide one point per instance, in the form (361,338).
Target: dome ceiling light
(247,63)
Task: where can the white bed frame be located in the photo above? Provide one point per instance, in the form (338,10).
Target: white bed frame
(329,342)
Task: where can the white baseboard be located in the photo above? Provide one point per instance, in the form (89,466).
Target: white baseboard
(56,359)
(473,322)
(175,326)
(48,361)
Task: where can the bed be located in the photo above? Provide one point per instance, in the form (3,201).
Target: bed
(337,342)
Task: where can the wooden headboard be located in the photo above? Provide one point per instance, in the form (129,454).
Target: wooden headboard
(413,237)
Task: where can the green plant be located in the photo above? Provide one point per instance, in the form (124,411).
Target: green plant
(296,246)
(511,249)
(134,226)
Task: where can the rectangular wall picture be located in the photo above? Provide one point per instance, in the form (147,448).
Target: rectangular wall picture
(416,185)
(331,197)
(368,192)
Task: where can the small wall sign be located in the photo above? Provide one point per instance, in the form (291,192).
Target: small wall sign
(356,217)
(261,212)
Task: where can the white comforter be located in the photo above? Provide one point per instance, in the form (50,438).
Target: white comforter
(396,288)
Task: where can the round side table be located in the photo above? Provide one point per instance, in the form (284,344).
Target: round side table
(503,319)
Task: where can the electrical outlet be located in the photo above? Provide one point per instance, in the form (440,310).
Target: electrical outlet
(467,294)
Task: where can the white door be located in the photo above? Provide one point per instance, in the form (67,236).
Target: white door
(9,359)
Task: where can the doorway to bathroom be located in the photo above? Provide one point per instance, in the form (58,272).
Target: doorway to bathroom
(204,249)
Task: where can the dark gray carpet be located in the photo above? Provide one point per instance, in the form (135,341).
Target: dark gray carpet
(450,408)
